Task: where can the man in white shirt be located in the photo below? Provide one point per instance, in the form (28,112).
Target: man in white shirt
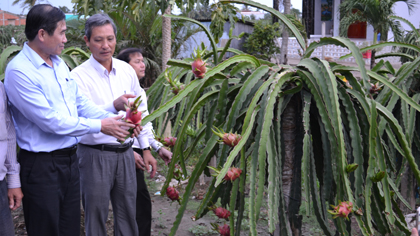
(10,192)
(134,57)
(107,169)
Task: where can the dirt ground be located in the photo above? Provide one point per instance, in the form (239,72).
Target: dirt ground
(164,214)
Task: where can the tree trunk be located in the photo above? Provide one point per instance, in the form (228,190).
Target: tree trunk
(276,6)
(285,35)
(292,132)
(372,59)
(166,38)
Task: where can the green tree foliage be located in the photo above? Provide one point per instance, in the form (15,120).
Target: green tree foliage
(262,42)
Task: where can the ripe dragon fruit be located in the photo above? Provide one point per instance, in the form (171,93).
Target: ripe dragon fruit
(224,230)
(221,212)
(173,194)
(132,115)
(229,139)
(169,141)
(232,174)
(198,66)
(342,210)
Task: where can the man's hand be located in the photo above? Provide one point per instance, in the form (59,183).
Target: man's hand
(136,131)
(150,160)
(112,126)
(15,198)
(414,232)
(139,161)
(121,101)
(165,155)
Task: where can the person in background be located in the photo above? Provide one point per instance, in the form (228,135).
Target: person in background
(50,114)
(134,57)
(107,169)
(10,192)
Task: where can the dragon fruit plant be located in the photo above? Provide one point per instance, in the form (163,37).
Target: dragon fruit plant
(199,66)
(221,212)
(176,86)
(343,209)
(173,194)
(230,139)
(232,174)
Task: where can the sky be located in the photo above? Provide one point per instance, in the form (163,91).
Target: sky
(7,4)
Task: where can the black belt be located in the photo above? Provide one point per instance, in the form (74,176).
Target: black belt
(70,151)
(111,148)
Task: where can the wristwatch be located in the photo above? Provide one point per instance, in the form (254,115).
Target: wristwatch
(148,148)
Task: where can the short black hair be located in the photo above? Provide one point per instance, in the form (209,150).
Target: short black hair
(42,16)
(124,54)
(98,19)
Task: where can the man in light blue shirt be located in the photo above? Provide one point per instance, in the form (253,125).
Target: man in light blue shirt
(50,115)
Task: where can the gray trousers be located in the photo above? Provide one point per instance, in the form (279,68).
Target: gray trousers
(106,176)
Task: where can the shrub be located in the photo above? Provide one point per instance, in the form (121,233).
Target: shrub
(261,43)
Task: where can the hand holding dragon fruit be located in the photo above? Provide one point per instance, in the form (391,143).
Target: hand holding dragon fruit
(230,139)
(199,66)
(132,115)
(342,210)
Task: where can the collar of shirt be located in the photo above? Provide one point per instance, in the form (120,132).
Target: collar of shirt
(101,69)
(36,59)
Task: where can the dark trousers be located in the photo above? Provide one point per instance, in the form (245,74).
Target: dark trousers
(6,222)
(143,203)
(51,189)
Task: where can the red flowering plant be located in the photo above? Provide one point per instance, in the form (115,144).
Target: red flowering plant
(230,139)
(132,115)
(342,210)
(173,194)
(198,66)
(220,212)
(232,174)
(223,230)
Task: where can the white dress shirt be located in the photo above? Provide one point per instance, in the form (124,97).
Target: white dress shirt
(103,87)
(8,164)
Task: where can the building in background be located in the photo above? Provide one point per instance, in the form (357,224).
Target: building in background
(315,12)
(8,18)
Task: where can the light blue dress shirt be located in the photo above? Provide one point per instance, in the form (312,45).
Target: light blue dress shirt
(48,110)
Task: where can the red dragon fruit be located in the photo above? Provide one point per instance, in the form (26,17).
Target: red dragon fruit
(221,212)
(173,194)
(198,66)
(169,141)
(232,174)
(132,115)
(342,210)
(229,139)
(224,230)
